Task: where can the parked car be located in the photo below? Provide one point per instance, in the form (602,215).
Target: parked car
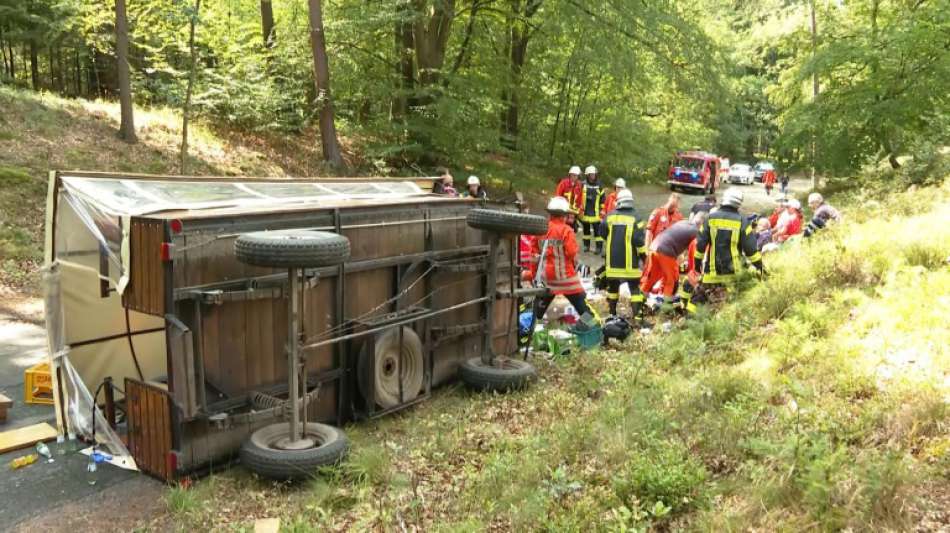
(740,173)
(759,170)
(694,171)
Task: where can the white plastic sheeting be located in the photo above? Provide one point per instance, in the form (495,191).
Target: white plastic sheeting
(141,196)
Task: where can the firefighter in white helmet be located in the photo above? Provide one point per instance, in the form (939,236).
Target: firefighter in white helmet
(474,189)
(557,252)
(570,187)
(591,206)
(611,202)
(725,236)
(626,251)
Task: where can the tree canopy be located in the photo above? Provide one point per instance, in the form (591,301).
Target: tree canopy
(421,83)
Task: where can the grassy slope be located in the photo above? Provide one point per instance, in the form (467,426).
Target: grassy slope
(815,400)
(40,132)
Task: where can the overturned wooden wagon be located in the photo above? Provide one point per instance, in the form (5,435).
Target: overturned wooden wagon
(225,312)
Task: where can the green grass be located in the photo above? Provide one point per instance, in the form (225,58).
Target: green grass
(817,399)
(40,132)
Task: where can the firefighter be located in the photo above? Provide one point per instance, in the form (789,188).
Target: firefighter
(591,206)
(611,202)
(570,187)
(723,239)
(625,251)
(557,251)
(664,265)
(474,189)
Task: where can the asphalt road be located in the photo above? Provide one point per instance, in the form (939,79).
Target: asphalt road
(62,495)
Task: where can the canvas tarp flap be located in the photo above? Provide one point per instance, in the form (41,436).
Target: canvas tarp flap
(74,400)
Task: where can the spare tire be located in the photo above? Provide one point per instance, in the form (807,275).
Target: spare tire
(503,375)
(381,370)
(262,452)
(507,222)
(292,248)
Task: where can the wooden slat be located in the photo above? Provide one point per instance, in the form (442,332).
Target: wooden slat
(149,422)
(25,437)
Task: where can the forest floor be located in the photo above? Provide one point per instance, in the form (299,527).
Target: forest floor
(818,399)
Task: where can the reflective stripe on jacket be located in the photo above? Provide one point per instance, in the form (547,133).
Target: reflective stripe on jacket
(724,237)
(626,244)
(560,250)
(592,202)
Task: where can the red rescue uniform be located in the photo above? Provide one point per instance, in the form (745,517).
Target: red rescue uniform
(560,251)
(571,190)
(609,204)
(660,219)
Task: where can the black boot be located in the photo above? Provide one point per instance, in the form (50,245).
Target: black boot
(612,304)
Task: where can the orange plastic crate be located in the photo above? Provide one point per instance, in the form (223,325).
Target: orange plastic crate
(38,385)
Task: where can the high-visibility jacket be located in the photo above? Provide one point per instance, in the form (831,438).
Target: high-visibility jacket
(610,203)
(571,190)
(559,247)
(660,219)
(626,244)
(525,256)
(592,201)
(768,178)
(725,236)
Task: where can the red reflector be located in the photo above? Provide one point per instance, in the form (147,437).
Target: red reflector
(176,226)
(167,251)
(171,464)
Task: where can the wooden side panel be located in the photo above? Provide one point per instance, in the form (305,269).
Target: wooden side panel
(146,290)
(150,427)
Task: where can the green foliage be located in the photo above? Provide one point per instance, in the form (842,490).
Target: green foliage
(664,476)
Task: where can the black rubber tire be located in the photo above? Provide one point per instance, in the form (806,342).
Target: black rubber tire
(292,248)
(387,346)
(507,222)
(275,463)
(506,375)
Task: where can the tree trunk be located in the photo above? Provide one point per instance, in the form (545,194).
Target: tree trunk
(3,52)
(192,73)
(267,23)
(12,60)
(815,180)
(78,65)
(517,52)
(430,36)
(127,126)
(405,72)
(321,70)
(34,66)
(52,70)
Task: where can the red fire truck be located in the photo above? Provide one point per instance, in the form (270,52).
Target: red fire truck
(694,171)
